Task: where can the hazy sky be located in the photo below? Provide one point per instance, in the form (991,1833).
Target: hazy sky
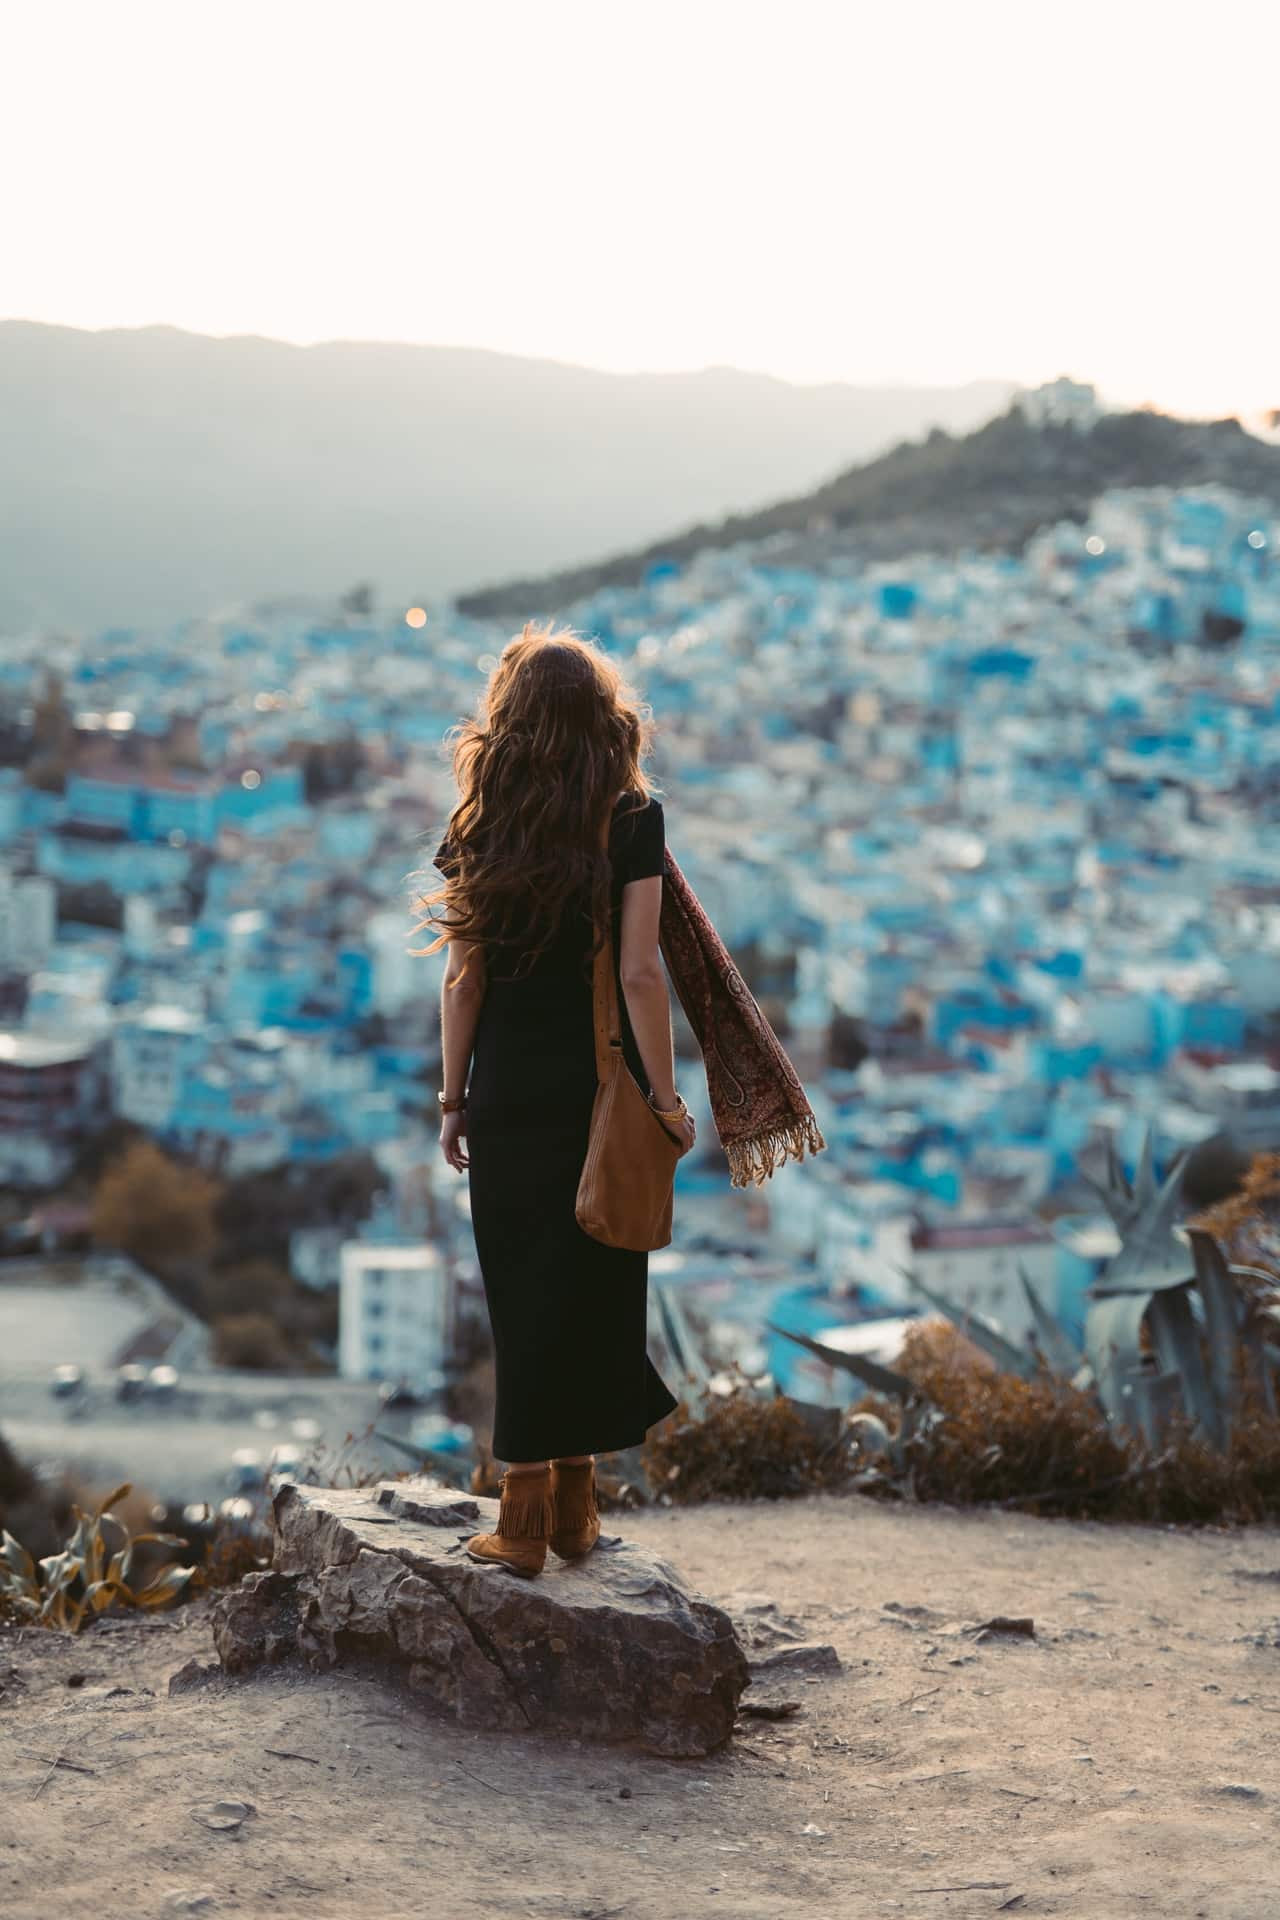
(849,189)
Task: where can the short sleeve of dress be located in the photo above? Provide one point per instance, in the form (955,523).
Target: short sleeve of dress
(640,856)
(443,857)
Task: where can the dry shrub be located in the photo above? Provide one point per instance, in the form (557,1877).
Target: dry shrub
(1190,1483)
(935,1346)
(1247,1224)
(235,1549)
(1002,1438)
(1043,1444)
(138,1509)
(486,1475)
(746,1448)
(38,1512)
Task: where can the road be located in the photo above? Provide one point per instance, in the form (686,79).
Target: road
(182,1452)
(87,1311)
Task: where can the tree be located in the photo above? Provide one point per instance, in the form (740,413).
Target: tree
(251,1340)
(847,1046)
(157,1209)
(52,736)
(332,766)
(255,1286)
(358,600)
(51,723)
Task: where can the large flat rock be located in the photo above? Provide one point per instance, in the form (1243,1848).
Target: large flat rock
(612,1647)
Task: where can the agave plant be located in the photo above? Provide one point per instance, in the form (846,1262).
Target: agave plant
(882,1448)
(1170,1316)
(94,1571)
(1166,1324)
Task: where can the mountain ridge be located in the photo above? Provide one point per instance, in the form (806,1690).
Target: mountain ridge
(154,473)
(990,489)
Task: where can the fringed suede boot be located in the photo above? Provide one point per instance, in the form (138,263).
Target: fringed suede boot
(525,1520)
(576,1525)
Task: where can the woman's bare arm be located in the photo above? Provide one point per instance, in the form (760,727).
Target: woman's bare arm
(644,985)
(460,998)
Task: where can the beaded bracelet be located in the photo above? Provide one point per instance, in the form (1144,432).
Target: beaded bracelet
(671,1113)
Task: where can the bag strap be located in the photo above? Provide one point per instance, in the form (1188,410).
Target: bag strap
(604,993)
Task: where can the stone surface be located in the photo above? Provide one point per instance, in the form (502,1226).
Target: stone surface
(256,1622)
(194,1674)
(610,1648)
(810,1657)
(434,1506)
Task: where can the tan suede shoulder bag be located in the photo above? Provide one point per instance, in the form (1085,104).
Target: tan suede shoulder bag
(626,1191)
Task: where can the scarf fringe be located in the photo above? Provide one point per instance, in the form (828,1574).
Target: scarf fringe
(753,1160)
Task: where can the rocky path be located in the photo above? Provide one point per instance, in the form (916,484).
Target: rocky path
(1118,1760)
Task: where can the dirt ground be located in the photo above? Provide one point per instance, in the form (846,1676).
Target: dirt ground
(1123,1762)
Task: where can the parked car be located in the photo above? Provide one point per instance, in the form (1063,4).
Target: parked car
(237,1509)
(247,1473)
(398,1393)
(162,1382)
(20,1236)
(66,1381)
(131,1381)
(436,1433)
(288,1462)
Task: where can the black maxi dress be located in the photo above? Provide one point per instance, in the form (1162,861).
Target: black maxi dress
(568,1314)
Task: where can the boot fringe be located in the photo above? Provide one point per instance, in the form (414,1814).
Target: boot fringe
(753,1160)
(526,1512)
(574,1499)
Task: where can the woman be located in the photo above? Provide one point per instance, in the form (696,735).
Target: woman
(558,744)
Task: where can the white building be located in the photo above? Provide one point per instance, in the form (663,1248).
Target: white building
(139,926)
(398,976)
(395,1313)
(150,1053)
(10,804)
(1061,403)
(975,1264)
(51,1093)
(315,1257)
(28,922)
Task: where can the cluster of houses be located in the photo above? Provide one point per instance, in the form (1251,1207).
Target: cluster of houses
(996,839)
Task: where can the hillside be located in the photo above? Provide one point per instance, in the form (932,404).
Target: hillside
(153,474)
(989,489)
(1120,1762)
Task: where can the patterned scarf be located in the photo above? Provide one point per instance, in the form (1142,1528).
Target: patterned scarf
(758,1105)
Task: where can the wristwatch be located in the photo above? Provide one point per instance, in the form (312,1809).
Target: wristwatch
(450,1106)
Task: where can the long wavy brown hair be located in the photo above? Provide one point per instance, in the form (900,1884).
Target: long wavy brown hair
(558,734)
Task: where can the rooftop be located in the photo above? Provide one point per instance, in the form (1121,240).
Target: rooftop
(33,1050)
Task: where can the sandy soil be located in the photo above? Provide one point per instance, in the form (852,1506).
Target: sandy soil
(1124,1762)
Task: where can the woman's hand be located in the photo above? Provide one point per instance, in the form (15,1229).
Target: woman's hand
(453,1134)
(682,1127)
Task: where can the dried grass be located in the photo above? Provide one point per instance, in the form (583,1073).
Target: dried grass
(235,1550)
(746,1448)
(1247,1224)
(1042,1444)
(986,1439)
(1001,1438)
